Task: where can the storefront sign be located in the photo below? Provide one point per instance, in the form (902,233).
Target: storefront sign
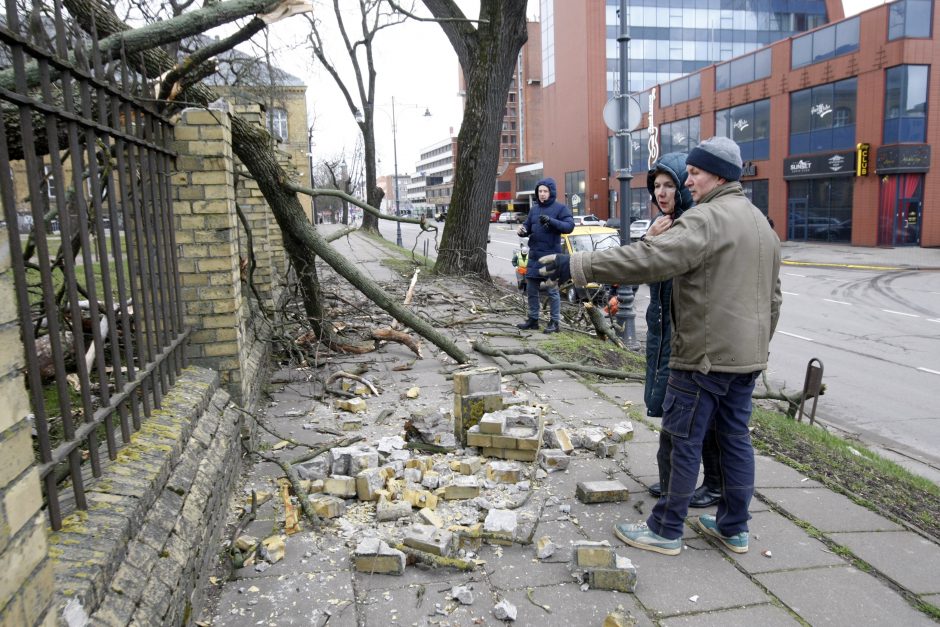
(903,158)
(820,166)
(749,169)
(861,159)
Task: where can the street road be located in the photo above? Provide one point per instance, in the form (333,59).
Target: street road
(876,333)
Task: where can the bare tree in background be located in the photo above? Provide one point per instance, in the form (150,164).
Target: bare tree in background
(358,40)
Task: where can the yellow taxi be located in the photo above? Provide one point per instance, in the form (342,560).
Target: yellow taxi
(588,238)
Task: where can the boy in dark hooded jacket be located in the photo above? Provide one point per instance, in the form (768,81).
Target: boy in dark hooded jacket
(666,185)
(546,221)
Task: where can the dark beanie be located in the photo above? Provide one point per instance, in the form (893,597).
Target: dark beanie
(718,155)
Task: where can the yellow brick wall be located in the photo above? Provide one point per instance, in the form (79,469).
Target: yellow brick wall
(26,576)
(207,236)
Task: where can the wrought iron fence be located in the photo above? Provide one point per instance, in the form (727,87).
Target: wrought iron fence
(87,166)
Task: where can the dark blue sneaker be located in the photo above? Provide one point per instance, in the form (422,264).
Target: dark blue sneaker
(736,543)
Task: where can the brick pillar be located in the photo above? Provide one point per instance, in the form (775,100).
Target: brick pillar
(26,577)
(207,236)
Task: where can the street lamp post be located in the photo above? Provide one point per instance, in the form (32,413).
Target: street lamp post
(626,313)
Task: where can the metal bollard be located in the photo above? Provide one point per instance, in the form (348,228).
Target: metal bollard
(811,387)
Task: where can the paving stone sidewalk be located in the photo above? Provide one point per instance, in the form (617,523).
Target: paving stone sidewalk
(815,556)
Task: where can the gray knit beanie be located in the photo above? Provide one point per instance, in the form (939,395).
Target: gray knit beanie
(718,155)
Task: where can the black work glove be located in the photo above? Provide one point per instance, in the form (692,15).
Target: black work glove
(544,220)
(555,268)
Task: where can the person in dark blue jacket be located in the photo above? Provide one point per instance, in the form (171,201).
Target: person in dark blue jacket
(666,185)
(546,221)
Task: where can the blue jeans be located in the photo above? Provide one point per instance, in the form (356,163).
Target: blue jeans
(534,295)
(695,403)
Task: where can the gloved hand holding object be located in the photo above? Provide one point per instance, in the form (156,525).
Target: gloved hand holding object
(544,220)
(555,268)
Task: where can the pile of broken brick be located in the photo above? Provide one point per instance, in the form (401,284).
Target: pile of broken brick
(397,505)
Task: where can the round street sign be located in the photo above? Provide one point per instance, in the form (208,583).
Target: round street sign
(612,113)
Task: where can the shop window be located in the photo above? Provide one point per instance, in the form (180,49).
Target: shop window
(679,136)
(820,210)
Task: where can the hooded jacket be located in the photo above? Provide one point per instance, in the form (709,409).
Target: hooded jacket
(546,240)
(725,260)
(658,315)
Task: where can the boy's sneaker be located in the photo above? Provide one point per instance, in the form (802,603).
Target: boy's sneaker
(736,543)
(641,537)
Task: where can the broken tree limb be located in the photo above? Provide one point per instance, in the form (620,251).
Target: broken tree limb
(792,400)
(340,374)
(601,326)
(291,475)
(411,287)
(487,349)
(391,335)
(431,559)
(323,449)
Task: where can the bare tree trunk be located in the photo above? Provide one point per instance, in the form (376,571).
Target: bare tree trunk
(488,56)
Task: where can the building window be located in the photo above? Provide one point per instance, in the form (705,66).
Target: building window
(640,154)
(679,136)
(905,104)
(823,118)
(743,70)
(825,43)
(909,18)
(574,191)
(277,121)
(50,182)
(749,126)
(686,88)
(547,19)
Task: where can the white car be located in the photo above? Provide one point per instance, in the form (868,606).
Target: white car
(588,220)
(638,228)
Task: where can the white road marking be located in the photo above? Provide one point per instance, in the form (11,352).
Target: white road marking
(901,313)
(799,337)
(928,370)
(793,274)
(789,293)
(838,302)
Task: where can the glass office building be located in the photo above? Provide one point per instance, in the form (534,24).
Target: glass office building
(672,38)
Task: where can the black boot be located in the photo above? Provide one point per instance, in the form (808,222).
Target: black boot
(531,323)
(656,489)
(552,327)
(705,496)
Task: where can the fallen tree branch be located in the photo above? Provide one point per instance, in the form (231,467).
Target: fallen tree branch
(323,449)
(489,350)
(792,400)
(436,561)
(601,326)
(340,374)
(391,335)
(294,479)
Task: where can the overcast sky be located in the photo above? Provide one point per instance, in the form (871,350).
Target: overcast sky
(416,64)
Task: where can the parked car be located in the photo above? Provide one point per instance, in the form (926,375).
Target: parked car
(441,216)
(588,220)
(638,228)
(583,239)
(511,217)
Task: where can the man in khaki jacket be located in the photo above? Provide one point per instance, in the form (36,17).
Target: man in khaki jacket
(724,260)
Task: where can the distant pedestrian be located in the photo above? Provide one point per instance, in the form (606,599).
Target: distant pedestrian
(725,262)
(666,185)
(545,223)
